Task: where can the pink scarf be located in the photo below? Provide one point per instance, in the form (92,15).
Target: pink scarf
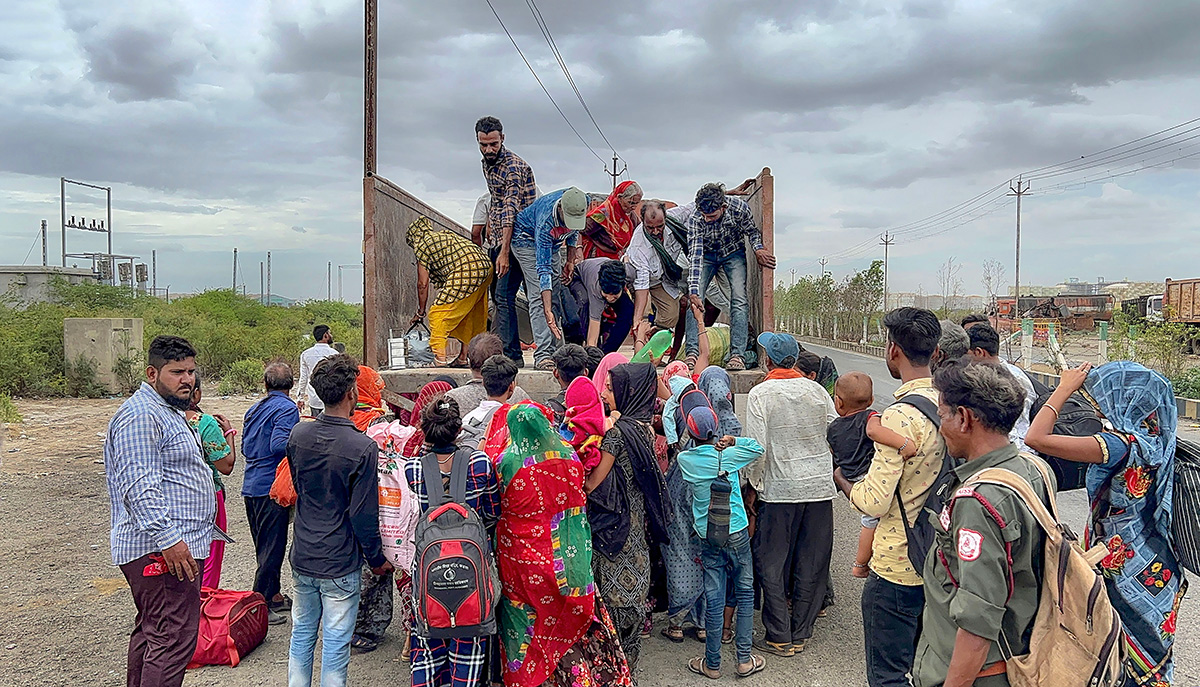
(585,419)
(606,364)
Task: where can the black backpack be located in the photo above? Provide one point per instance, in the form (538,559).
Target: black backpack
(1076,418)
(719,510)
(919,532)
(455,585)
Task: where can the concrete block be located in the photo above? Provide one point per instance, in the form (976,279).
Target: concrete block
(104,340)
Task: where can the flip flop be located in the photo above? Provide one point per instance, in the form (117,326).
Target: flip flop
(757,665)
(727,637)
(675,634)
(781,650)
(697,666)
(362,645)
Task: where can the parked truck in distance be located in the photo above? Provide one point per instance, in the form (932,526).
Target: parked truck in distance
(1149,308)
(1181,304)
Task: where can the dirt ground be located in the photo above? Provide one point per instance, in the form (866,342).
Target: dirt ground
(67,611)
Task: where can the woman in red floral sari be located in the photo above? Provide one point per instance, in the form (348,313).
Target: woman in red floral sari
(609,225)
(553,628)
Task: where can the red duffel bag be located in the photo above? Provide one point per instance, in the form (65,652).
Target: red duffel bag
(232,624)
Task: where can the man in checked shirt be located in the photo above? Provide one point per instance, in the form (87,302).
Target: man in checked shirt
(163,510)
(717,233)
(511,185)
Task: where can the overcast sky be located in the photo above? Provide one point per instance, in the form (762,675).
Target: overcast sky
(238,123)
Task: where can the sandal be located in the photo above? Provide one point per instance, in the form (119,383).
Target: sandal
(757,665)
(362,645)
(781,650)
(736,364)
(675,634)
(701,635)
(699,667)
(727,636)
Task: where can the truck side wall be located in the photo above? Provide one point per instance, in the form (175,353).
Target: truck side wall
(1179,301)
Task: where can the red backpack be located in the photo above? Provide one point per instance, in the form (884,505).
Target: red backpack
(232,624)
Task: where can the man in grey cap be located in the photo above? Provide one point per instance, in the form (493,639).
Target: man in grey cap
(541,236)
(789,414)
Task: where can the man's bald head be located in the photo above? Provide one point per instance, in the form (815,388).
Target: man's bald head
(855,391)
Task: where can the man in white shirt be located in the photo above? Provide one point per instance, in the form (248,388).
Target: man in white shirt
(661,278)
(793,543)
(985,347)
(499,380)
(322,349)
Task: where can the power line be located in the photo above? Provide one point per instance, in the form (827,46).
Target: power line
(1122,145)
(545,28)
(539,81)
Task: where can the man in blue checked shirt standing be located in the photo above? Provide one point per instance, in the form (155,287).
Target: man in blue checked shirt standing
(163,510)
(717,233)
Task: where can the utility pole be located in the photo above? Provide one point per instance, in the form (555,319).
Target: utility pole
(154,272)
(793,276)
(329,280)
(43,243)
(370,82)
(823,262)
(261,289)
(62,208)
(886,242)
(268,278)
(235,270)
(614,173)
(1018,189)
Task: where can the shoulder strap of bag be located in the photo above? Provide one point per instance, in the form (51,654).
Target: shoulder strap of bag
(458,475)
(929,409)
(432,472)
(1024,490)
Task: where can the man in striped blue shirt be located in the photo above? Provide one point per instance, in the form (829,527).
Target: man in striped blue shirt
(163,510)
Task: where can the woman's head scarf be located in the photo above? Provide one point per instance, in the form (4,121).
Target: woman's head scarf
(678,385)
(418,231)
(714,382)
(1139,403)
(616,227)
(370,398)
(530,433)
(608,363)
(429,392)
(676,368)
(635,387)
(584,421)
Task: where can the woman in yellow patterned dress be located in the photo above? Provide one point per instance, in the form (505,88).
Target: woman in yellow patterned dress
(462,272)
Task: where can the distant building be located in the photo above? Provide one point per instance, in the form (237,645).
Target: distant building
(25,284)
(276,299)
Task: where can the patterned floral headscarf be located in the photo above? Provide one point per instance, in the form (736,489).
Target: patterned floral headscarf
(530,433)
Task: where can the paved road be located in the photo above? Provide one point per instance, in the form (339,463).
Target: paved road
(1073,506)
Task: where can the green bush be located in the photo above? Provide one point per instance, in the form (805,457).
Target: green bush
(243,376)
(1187,383)
(224,327)
(81,378)
(8,410)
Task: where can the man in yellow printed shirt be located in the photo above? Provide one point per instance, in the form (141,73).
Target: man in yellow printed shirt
(893,597)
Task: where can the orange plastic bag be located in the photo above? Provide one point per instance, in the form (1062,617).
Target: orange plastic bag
(283,491)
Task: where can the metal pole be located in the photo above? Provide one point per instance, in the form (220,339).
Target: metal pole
(235,270)
(370,83)
(1018,191)
(62,201)
(340,283)
(268,278)
(154,272)
(329,280)
(261,291)
(43,243)
(108,202)
(887,242)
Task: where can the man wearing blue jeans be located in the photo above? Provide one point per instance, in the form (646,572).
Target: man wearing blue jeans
(728,560)
(542,235)
(333,468)
(717,231)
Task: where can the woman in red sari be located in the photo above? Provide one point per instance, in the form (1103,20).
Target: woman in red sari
(430,391)
(609,225)
(553,628)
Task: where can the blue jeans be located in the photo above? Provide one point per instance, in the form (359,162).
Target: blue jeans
(542,336)
(734,267)
(333,606)
(891,624)
(505,320)
(730,562)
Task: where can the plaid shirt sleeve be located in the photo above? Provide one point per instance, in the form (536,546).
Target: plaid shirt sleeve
(746,225)
(138,477)
(695,252)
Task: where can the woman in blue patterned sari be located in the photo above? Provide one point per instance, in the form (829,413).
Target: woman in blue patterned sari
(1129,487)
